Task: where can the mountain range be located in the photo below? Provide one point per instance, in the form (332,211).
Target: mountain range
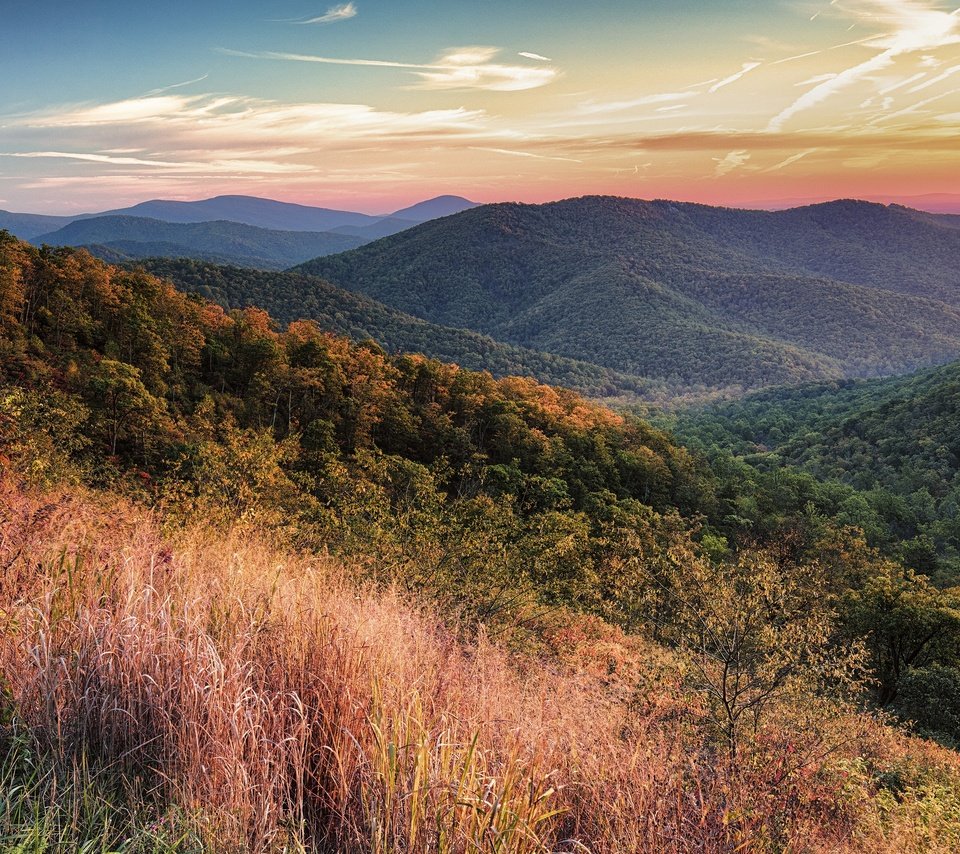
(611,296)
(935,203)
(118,238)
(230,229)
(701,298)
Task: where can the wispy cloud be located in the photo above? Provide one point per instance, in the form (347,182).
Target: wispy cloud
(457,68)
(900,84)
(911,26)
(933,81)
(208,123)
(910,110)
(335,13)
(812,81)
(731,162)
(475,68)
(323,60)
(176,143)
(173,86)
(90,158)
(793,158)
(595,107)
(212,166)
(536,56)
(514,153)
(833,47)
(733,78)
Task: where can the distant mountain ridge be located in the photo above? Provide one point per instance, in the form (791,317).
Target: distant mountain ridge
(248,210)
(935,203)
(435,208)
(28,226)
(691,295)
(223,241)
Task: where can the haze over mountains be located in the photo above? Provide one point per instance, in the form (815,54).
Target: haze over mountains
(230,229)
(117,238)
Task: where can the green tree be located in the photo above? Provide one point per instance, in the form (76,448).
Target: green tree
(907,622)
(121,400)
(755,633)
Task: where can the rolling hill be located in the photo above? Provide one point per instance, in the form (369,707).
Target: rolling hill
(903,430)
(295,296)
(227,242)
(697,297)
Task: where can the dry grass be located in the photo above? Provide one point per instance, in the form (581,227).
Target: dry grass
(265,702)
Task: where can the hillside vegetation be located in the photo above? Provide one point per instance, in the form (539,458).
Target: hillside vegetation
(285,592)
(222,694)
(294,296)
(894,442)
(701,298)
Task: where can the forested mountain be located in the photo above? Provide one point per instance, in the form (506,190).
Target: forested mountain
(295,296)
(894,248)
(124,371)
(226,242)
(895,441)
(691,295)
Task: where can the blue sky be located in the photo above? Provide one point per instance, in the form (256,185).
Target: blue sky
(108,102)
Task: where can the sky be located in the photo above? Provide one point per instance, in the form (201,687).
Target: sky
(375,104)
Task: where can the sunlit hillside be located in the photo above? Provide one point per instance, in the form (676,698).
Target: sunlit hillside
(269,590)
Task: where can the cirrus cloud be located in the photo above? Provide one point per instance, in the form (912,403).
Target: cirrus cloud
(343,12)
(457,68)
(911,26)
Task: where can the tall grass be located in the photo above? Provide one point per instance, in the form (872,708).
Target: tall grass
(205,690)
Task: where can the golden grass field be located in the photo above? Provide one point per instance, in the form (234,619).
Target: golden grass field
(195,689)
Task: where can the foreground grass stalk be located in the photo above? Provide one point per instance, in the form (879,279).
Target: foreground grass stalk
(205,691)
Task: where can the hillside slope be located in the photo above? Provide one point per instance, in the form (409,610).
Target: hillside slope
(901,430)
(691,295)
(282,591)
(294,296)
